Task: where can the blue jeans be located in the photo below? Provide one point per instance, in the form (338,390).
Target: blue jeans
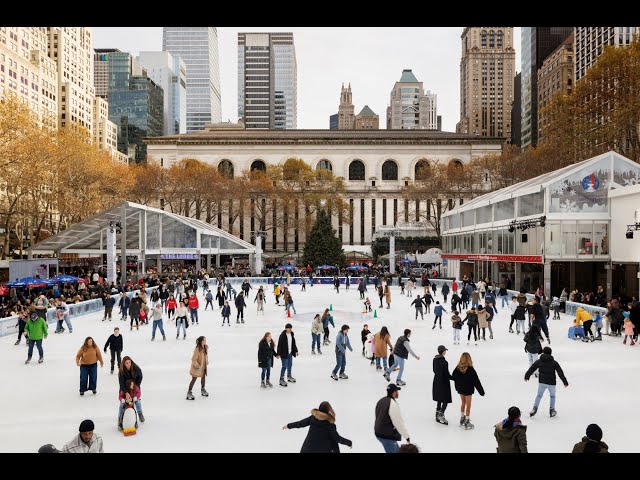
(157,324)
(399,362)
(384,361)
(291,306)
(505,300)
(390,446)
(180,324)
(532,357)
(266,374)
(315,340)
(552,393)
(287,363)
(137,404)
(194,315)
(341,363)
(88,374)
(37,343)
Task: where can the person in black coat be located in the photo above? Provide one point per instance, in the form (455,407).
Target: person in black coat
(287,349)
(323,435)
(115,345)
(466,381)
(547,367)
(266,352)
(129,371)
(240,304)
(533,347)
(441,384)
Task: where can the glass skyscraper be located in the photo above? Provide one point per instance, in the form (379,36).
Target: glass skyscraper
(267,80)
(198,48)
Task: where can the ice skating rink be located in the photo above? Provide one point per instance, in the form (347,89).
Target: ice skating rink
(41,403)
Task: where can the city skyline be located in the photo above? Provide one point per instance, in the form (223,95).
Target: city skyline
(371,59)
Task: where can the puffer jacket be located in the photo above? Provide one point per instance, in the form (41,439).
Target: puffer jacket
(548,368)
(323,436)
(511,440)
(579,447)
(482,318)
(582,316)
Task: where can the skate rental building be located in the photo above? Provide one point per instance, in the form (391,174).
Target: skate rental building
(551,231)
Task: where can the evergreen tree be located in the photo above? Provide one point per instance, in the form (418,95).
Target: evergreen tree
(322,245)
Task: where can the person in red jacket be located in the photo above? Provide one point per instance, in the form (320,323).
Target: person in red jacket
(193,308)
(172,304)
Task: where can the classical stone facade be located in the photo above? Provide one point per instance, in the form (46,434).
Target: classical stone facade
(375,165)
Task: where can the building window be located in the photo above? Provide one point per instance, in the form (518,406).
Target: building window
(259,165)
(422,170)
(351,210)
(395,211)
(356,170)
(225,167)
(389,170)
(384,211)
(324,165)
(373,216)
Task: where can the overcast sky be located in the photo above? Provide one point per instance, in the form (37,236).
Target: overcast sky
(371,59)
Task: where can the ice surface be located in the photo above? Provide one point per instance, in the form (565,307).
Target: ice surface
(41,403)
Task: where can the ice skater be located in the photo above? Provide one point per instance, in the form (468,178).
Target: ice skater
(466,381)
(472,323)
(260,300)
(326,319)
(342,343)
(419,303)
(438,310)
(157,321)
(181,320)
(209,298)
(441,384)
(401,352)
(287,349)
(364,335)
(266,352)
(240,304)
(547,380)
(316,331)
(115,346)
(199,362)
(87,359)
(456,323)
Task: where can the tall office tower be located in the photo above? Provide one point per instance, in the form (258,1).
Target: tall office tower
(72,50)
(101,71)
(169,71)
(27,71)
(198,49)
(346,116)
(590,42)
(516,113)
(135,105)
(537,44)
(487,68)
(333,122)
(267,80)
(410,108)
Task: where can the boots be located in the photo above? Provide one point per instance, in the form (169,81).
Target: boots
(467,424)
(313,351)
(190,395)
(263,385)
(203,392)
(552,412)
(283,383)
(440,418)
(269,384)
(164,338)
(17,342)
(141,417)
(533,411)
(319,351)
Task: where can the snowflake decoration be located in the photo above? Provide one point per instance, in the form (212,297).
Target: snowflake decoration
(568,206)
(631,181)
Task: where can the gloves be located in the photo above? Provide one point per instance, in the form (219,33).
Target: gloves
(122,401)
(135,399)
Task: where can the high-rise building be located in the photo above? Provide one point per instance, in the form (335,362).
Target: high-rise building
(135,105)
(367,119)
(72,50)
(590,42)
(537,44)
(198,48)
(516,117)
(333,122)
(554,77)
(267,80)
(487,68)
(410,108)
(170,72)
(346,116)
(101,71)
(105,132)
(27,71)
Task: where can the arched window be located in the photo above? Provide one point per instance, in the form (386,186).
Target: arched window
(455,167)
(356,170)
(291,170)
(422,170)
(389,170)
(324,165)
(225,167)
(259,165)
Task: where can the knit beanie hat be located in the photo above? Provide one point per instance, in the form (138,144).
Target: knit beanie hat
(594,432)
(86,426)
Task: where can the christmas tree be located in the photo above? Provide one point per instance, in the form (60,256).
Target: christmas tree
(322,245)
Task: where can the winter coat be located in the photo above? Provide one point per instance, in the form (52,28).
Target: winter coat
(579,447)
(548,368)
(134,374)
(380,345)
(464,295)
(37,329)
(532,339)
(323,436)
(471,319)
(77,445)
(326,321)
(193,302)
(316,326)
(124,302)
(199,362)
(114,343)
(387,295)
(90,356)
(220,296)
(441,380)
(445,290)
(109,302)
(427,298)
(467,382)
(511,440)
(134,308)
(172,304)
(265,354)
(343,343)
(520,313)
(628,328)
(582,316)
(456,322)
(482,318)
(283,345)
(419,303)
(226,311)
(240,303)
(521,299)
(438,310)
(137,394)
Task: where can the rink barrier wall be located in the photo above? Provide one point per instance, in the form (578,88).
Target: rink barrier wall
(9,325)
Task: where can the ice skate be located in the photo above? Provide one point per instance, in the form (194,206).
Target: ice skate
(203,392)
(624,342)
(17,342)
(291,380)
(533,411)
(319,351)
(433,328)
(511,330)
(334,376)
(269,384)
(164,338)
(313,351)
(40,360)
(344,376)
(283,383)
(141,417)
(552,412)
(632,343)
(263,385)
(400,383)
(462,417)
(467,424)
(378,367)
(440,418)
(190,396)
(440,327)
(386,375)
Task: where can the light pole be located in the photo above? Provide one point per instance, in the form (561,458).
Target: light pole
(258,235)
(391,234)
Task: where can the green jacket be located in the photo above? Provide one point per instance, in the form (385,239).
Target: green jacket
(36,329)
